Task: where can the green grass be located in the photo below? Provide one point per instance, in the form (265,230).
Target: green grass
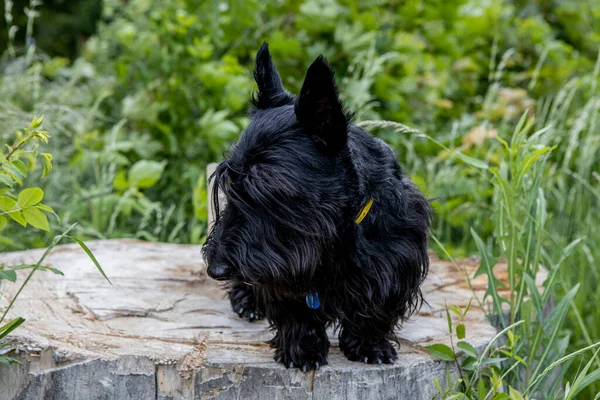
(540,353)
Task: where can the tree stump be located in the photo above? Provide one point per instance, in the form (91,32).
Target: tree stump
(166,331)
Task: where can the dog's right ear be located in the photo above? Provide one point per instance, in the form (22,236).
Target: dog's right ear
(320,110)
(271,92)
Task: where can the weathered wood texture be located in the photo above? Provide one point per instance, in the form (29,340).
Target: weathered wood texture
(165,331)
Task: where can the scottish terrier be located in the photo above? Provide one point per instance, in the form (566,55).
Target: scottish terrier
(320,227)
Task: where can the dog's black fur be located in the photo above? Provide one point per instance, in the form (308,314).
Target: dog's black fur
(294,183)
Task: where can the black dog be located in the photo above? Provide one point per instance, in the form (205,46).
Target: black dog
(320,227)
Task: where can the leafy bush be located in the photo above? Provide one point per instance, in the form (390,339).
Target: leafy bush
(169,83)
(188,100)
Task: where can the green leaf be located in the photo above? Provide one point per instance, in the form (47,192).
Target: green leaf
(91,256)
(54,270)
(487,267)
(469,364)
(519,359)
(519,129)
(30,197)
(120,182)
(3,222)
(473,162)
(534,292)
(449,320)
(5,179)
(437,385)
(36,218)
(11,326)
(42,136)
(41,267)
(456,311)
(481,390)
(36,122)
(47,157)
(144,174)
(8,275)
(46,208)
(7,203)
(15,172)
(467,348)
(21,165)
(18,217)
(467,307)
(492,361)
(440,352)
(7,360)
(457,396)
(530,160)
(461,331)
(514,394)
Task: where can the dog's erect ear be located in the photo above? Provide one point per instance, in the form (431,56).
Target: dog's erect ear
(271,92)
(320,110)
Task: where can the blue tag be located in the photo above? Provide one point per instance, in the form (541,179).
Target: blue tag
(312,300)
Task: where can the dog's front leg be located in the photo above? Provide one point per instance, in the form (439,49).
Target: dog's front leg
(244,302)
(300,340)
(367,340)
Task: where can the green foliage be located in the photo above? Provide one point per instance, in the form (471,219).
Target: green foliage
(169,83)
(24,206)
(488,375)
(534,358)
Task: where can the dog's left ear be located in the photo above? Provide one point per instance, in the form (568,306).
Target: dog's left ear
(271,92)
(319,109)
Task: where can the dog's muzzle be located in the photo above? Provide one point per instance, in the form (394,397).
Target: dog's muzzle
(219,272)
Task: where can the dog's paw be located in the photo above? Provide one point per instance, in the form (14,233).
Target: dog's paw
(311,354)
(243,303)
(306,362)
(369,351)
(249,315)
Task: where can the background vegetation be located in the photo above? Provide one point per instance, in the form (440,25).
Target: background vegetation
(141,94)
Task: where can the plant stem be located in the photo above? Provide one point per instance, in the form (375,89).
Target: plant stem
(462,379)
(15,148)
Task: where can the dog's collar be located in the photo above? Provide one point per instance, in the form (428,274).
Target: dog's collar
(364,211)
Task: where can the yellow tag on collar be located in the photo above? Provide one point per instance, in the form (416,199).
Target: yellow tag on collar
(364,212)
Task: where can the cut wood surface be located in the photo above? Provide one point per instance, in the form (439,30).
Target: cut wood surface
(166,331)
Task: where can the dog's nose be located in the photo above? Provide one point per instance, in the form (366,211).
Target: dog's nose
(218,271)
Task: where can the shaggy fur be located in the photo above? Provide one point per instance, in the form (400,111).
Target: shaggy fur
(295,182)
